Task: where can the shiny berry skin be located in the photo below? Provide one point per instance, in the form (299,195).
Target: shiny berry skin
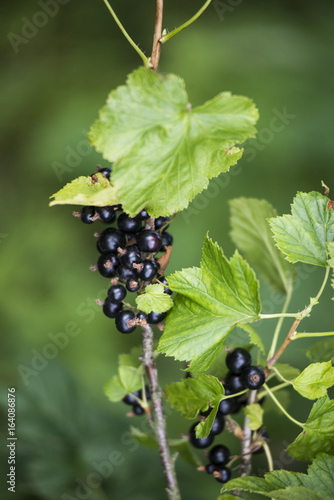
(200,443)
(234,383)
(227,406)
(138,410)
(125,274)
(237,360)
(143,215)
(86,215)
(218,424)
(223,474)
(128,225)
(167,240)
(210,468)
(111,239)
(106,214)
(129,399)
(105,171)
(107,265)
(219,455)
(163,280)
(149,270)
(111,309)
(141,316)
(117,293)
(122,319)
(161,222)
(253,377)
(154,318)
(132,256)
(149,241)
(132,285)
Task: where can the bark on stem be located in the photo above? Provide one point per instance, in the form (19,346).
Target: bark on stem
(156,49)
(246,465)
(285,344)
(159,416)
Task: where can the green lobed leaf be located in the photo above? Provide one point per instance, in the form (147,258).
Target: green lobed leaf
(131,358)
(317,484)
(318,433)
(330,249)
(254,413)
(287,371)
(164,150)
(314,381)
(254,337)
(154,299)
(114,389)
(130,378)
(321,351)
(210,301)
(303,235)
(252,235)
(84,191)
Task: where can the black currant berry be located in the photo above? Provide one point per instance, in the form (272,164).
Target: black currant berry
(210,468)
(107,265)
(106,172)
(154,318)
(167,240)
(234,383)
(199,442)
(253,377)
(129,399)
(117,293)
(237,360)
(227,406)
(143,215)
(132,285)
(106,214)
(149,241)
(111,309)
(163,280)
(141,316)
(111,239)
(125,274)
(138,410)
(161,222)
(222,474)
(149,270)
(132,256)
(219,455)
(218,424)
(128,225)
(122,320)
(86,214)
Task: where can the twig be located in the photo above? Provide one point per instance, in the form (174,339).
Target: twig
(246,466)
(156,49)
(159,416)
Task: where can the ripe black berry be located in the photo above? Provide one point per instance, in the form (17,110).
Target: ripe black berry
(132,256)
(149,270)
(219,455)
(111,309)
(222,474)
(141,316)
(218,424)
(129,399)
(86,215)
(106,172)
(234,383)
(107,265)
(161,222)
(149,241)
(106,214)
(163,280)
(227,406)
(143,215)
(210,468)
(137,409)
(237,360)
(128,225)
(167,240)
(132,285)
(111,239)
(117,293)
(199,442)
(125,274)
(253,377)
(122,320)
(154,318)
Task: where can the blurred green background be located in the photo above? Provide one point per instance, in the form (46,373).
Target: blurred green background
(53,81)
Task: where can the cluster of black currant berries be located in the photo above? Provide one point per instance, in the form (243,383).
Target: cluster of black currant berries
(242,375)
(133,399)
(128,258)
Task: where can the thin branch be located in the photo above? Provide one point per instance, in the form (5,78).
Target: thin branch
(127,36)
(159,416)
(283,410)
(279,325)
(170,35)
(314,335)
(156,49)
(246,466)
(285,344)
